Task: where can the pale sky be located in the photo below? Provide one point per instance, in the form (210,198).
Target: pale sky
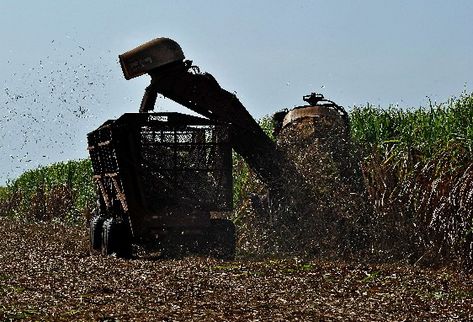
(60,76)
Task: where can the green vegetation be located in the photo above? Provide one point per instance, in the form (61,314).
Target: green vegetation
(420,134)
(418,171)
(59,191)
(417,166)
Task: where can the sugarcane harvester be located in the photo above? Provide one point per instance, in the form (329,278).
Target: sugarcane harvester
(183,83)
(160,175)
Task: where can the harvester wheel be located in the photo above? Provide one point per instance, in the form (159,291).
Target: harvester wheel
(109,238)
(116,239)
(223,240)
(95,232)
(124,249)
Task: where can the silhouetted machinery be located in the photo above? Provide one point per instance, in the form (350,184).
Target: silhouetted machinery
(160,175)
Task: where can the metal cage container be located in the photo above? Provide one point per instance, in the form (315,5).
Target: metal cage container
(162,171)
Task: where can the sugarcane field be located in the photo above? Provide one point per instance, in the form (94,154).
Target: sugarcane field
(172,176)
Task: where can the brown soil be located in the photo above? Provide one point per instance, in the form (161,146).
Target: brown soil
(46,273)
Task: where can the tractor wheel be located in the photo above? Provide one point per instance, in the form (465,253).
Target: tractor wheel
(116,239)
(95,232)
(109,238)
(223,240)
(124,249)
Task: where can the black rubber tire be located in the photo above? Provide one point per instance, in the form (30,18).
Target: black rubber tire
(95,232)
(223,239)
(116,239)
(109,231)
(124,249)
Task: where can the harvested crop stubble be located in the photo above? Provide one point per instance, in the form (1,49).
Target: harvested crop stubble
(46,273)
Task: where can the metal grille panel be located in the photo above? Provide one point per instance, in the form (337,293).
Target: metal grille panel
(162,160)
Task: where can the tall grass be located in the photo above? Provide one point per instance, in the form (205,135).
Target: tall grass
(423,133)
(418,171)
(59,191)
(417,167)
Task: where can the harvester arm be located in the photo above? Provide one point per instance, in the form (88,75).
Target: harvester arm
(202,94)
(175,78)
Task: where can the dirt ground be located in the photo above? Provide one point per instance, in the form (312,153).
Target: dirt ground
(46,273)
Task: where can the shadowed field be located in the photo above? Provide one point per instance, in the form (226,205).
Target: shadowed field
(46,273)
